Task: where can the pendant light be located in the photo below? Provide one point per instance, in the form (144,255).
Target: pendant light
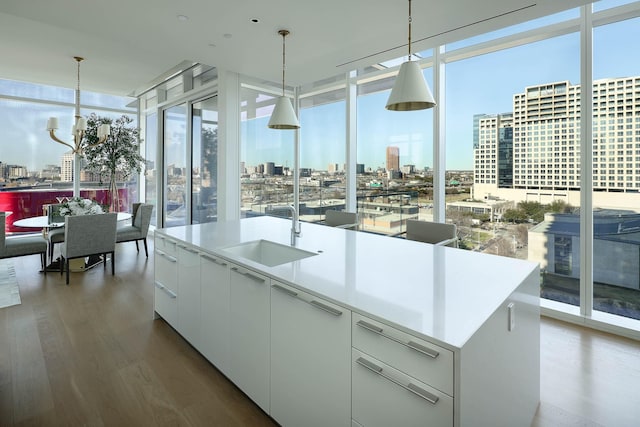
(283,116)
(410,91)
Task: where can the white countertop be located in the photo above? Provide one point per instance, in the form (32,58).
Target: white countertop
(442,293)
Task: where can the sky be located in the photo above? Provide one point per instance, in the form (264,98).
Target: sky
(480,85)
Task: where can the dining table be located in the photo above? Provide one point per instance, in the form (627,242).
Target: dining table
(43,223)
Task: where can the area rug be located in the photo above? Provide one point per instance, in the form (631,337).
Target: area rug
(9,292)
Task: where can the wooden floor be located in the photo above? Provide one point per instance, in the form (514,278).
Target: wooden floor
(91,354)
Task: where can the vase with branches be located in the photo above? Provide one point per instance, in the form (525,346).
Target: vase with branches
(117,157)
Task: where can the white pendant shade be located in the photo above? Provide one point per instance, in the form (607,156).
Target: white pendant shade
(283,116)
(410,91)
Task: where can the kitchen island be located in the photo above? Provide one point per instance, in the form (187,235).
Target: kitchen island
(362,329)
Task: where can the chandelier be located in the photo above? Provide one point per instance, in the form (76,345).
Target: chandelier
(79,128)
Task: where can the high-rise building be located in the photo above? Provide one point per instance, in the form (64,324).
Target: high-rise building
(393,158)
(66,167)
(545,147)
(333,168)
(269,168)
(493,149)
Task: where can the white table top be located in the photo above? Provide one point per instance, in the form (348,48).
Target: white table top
(43,221)
(442,293)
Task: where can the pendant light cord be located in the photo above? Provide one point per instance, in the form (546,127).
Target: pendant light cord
(284,34)
(409,56)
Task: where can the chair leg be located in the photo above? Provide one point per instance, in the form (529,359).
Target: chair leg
(146,251)
(113,263)
(137,248)
(67,267)
(43,261)
(61,264)
(104,261)
(50,251)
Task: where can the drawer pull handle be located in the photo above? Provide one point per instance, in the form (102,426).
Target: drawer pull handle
(285,290)
(316,304)
(369,326)
(249,275)
(423,349)
(214,260)
(325,307)
(418,391)
(167,257)
(187,249)
(431,398)
(412,345)
(164,288)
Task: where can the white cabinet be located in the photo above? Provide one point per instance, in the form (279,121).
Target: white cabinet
(249,333)
(166,280)
(310,359)
(399,379)
(214,309)
(189,291)
(384,396)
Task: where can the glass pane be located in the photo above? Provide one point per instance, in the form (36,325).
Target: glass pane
(394,161)
(514,29)
(204,170)
(266,157)
(608,4)
(516,125)
(322,157)
(175,164)
(36,91)
(151,172)
(616,170)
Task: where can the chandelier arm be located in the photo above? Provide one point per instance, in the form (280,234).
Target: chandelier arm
(100,141)
(53,136)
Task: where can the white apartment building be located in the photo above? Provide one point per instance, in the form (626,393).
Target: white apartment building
(545,153)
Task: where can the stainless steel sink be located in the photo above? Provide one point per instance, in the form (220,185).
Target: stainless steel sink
(268,253)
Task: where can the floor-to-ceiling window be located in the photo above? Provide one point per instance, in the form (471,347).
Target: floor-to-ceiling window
(616,169)
(266,157)
(394,160)
(204,163)
(175,165)
(33,163)
(322,151)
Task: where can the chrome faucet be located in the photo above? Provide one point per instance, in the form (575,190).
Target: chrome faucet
(296,226)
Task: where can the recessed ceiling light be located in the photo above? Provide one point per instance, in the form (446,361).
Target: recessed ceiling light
(228,36)
(211,45)
(255,20)
(183,18)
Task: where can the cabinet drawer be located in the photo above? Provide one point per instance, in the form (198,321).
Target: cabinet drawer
(166,270)
(384,396)
(165,304)
(166,245)
(421,359)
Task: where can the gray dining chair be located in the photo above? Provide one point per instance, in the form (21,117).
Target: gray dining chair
(54,235)
(139,227)
(436,233)
(341,219)
(22,246)
(86,235)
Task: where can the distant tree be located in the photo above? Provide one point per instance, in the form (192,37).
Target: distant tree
(559,206)
(533,210)
(515,216)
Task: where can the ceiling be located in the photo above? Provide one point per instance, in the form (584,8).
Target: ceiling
(128,44)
